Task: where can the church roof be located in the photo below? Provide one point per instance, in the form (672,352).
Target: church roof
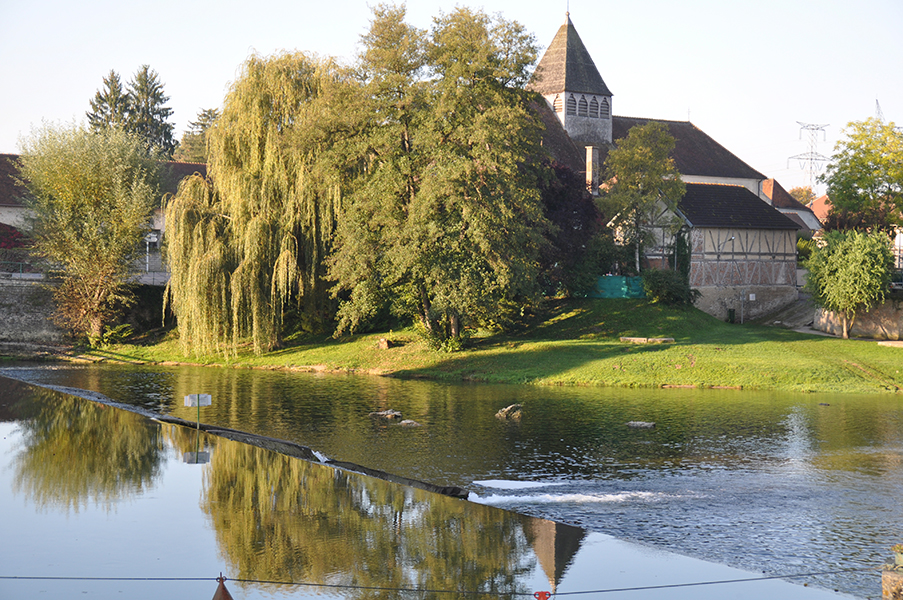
(695,153)
(567,65)
(729,206)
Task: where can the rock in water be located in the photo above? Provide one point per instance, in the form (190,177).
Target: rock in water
(640,424)
(386,414)
(510,412)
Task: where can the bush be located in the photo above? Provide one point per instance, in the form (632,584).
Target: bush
(668,287)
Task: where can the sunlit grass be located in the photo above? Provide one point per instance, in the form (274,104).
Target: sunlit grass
(579,343)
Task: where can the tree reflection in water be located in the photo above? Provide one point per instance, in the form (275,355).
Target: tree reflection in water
(75,452)
(282,519)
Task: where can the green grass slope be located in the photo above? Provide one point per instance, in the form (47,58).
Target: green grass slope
(578,342)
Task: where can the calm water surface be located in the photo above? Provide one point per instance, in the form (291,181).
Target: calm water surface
(773,483)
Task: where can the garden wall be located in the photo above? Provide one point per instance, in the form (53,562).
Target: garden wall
(25,309)
(884,322)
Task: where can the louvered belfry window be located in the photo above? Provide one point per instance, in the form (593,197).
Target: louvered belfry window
(594,108)
(558,105)
(582,107)
(605,108)
(572,105)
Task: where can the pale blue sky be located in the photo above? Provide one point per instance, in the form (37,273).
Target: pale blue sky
(744,71)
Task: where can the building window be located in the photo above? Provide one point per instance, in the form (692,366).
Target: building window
(572,105)
(558,105)
(594,108)
(581,107)
(605,109)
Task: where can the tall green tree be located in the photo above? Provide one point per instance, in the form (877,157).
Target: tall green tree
(111,104)
(850,273)
(249,244)
(865,177)
(802,194)
(644,186)
(193,145)
(148,113)
(91,195)
(448,210)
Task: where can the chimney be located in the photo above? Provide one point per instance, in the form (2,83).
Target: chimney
(592,170)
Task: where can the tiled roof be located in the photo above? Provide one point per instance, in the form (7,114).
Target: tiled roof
(821,206)
(174,172)
(567,65)
(780,198)
(714,205)
(695,153)
(9,191)
(557,142)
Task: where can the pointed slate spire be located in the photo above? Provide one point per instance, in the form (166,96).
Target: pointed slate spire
(567,66)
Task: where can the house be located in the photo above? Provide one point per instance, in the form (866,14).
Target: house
(743,249)
(13,211)
(800,214)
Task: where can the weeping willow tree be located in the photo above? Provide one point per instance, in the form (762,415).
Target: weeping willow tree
(246,247)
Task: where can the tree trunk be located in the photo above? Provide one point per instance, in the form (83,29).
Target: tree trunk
(454,324)
(846,330)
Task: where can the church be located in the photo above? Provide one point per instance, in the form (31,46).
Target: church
(743,248)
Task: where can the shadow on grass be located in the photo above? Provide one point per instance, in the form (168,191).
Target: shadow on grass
(572,334)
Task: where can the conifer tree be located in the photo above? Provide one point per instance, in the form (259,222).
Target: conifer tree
(148,113)
(110,105)
(193,145)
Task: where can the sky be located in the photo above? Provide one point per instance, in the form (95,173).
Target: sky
(747,72)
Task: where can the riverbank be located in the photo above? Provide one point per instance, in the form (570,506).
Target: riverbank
(580,342)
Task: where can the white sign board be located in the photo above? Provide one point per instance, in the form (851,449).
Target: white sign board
(198,400)
(196,458)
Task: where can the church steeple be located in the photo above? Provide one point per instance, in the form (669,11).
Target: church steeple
(570,82)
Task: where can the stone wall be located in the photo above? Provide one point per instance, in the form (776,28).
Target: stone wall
(748,302)
(883,322)
(25,309)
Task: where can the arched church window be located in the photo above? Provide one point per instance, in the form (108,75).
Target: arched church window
(594,108)
(557,104)
(605,108)
(572,105)
(582,107)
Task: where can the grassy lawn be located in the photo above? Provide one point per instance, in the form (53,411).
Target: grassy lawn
(578,343)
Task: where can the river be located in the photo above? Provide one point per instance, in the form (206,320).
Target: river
(767,482)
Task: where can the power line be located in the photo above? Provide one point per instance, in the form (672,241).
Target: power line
(434,591)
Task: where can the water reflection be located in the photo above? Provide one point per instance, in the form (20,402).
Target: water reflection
(764,481)
(75,452)
(278,518)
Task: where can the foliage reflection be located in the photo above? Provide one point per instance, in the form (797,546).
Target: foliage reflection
(75,452)
(283,519)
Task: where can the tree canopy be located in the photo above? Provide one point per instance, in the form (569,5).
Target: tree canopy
(865,177)
(91,195)
(644,186)
(445,222)
(850,273)
(140,108)
(250,242)
(193,145)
